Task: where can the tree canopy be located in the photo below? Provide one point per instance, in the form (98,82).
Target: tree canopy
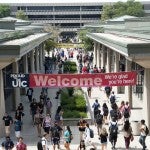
(118,9)
(21,15)
(50,44)
(4,11)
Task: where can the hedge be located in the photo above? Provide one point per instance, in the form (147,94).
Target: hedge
(70,67)
(74,106)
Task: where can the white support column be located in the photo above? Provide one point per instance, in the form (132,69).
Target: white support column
(2,104)
(108,61)
(95,54)
(37,59)
(25,63)
(103,56)
(40,59)
(16,90)
(43,52)
(116,67)
(98,56)
(128,89)
(32,61)
(146,96)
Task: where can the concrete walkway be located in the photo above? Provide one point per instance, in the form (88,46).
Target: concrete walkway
(29,133)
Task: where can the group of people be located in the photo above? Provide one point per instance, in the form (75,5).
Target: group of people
(110,116)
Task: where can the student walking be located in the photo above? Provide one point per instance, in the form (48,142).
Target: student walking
(105,112)
(37,122)
(95,107)
(113,132)
(103,138)
(99,121)
(88,137)
(81,145)
(7,122)
(67,138)
(127,132)
(56,132)
(29,94)
(8,144)
(18,127)
(21,145)
(89,90)
(81,126)
(143,129)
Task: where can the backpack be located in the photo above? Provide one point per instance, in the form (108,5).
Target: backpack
(147,131)
(99,119)
(71,137)
(114,114)
(112,99)
(126,113)
(57,117)
(91,133)
(113,129)
(55,132)
(96,106)
(39,144)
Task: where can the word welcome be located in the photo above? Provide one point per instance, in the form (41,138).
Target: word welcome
(82,80)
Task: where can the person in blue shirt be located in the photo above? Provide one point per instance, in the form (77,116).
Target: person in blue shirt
(67,137)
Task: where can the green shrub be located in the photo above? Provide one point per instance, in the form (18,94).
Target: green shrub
(74,114)
(70,67)
(74,106)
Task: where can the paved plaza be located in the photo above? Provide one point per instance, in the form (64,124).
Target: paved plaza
(29,133)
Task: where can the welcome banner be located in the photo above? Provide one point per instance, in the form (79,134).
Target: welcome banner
(82,80)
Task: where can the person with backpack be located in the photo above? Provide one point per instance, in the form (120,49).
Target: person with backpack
(113,132)
(56,132)
(95,107)
(144,132)
(126,111)
(107,91)
(112,97)
(99,121)
(42,143)
(114,112)
(88,136)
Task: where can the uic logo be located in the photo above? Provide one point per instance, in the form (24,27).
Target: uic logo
(19,83)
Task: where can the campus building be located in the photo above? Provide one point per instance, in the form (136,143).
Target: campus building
(125,46)
(21,51)
(69,15)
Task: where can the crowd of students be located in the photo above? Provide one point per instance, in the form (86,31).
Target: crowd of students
(106,118)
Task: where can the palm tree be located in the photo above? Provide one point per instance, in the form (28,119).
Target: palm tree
(50,44)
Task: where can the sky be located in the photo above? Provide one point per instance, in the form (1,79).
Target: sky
(62,1)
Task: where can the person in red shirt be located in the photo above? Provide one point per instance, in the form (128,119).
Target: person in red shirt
(20,145)
(84,69)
